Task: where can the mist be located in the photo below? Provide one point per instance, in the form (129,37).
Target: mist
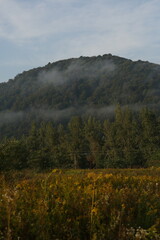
(57,115)
(75,71)
(7,117)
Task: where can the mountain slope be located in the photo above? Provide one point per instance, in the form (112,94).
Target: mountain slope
(86,85)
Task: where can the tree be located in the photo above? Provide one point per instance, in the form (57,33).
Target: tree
(76,142)
(93,135)
(13,154)
(150,136)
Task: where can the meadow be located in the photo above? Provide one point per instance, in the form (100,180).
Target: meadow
(112,204)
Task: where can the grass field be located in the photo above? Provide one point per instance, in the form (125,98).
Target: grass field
(108,204)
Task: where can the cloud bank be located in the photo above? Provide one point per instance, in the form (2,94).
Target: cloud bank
(57,115)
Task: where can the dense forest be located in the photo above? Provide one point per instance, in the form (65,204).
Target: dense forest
(87,112)
(85,86)
(127,141)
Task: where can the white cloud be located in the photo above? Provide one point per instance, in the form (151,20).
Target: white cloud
(21,21)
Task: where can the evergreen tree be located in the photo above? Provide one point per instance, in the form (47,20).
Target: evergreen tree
(93,135)
(150,136)
(76,142)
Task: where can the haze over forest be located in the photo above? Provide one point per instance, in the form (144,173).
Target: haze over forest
(81,113)
(79,86)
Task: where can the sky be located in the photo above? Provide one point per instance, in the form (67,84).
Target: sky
(35,32)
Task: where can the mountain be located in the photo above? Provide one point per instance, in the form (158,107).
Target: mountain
(85,86)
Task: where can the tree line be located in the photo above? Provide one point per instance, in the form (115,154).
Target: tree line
(128,140)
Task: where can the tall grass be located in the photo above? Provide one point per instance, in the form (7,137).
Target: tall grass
(80,204)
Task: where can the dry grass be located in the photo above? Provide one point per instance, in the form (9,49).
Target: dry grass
(80,204)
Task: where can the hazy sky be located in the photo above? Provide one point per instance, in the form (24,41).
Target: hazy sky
(35,32)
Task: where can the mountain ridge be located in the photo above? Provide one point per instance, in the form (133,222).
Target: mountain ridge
(75,58)
(84,85)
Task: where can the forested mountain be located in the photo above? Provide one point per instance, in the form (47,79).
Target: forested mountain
(78,86)
(89,112)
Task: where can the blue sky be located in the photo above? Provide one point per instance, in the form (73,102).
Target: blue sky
(35,32)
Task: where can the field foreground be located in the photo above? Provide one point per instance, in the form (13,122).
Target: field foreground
(80,204)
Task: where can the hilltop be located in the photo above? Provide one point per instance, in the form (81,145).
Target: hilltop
(77,86)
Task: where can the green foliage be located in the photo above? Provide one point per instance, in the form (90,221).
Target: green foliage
(128,141)
(93,135)
(13,154)
(82,84)
(150,135)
